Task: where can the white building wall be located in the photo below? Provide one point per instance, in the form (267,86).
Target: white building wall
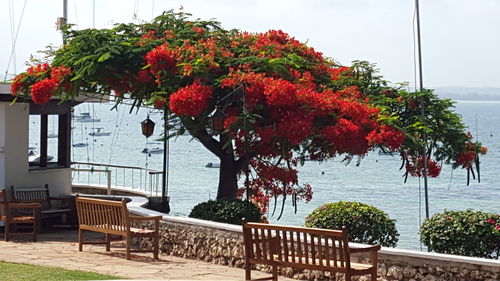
(14,131)
(2,144)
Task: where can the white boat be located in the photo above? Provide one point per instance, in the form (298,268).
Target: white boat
(80,144)
(34,155)
(212,165)
(155,150)
(99,133)
(85,117)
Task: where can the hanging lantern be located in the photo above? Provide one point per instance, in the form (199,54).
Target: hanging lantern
(148,127)
(217,121)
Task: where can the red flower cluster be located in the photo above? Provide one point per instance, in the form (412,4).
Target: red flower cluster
(347,137)
(199,30)
(387,136)
(17,85)
(162,58)
(295,127)
(467,156)
(144,77)
(278,180)
(42,91)
(59,73)
(37,70)
(495,222)
(415,167)
(191,100)
(265,134)
(279,92)
(337,72)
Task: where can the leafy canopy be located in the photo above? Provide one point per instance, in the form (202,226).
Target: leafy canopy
(283,101)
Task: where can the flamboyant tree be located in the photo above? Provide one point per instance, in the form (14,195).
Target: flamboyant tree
(283,102)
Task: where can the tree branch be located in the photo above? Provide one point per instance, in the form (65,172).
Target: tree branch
(195,129)
(240,163)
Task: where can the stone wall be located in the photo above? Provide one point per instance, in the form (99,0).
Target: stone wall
(222,244)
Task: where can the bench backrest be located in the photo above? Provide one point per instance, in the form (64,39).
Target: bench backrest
(99,214)
(32,194)
(301,247)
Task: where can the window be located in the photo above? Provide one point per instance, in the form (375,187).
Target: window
(49,136)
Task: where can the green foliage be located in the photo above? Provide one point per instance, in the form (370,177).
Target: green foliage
(227,211)
(467,233)
(26,272)
(444,129)
(365,223)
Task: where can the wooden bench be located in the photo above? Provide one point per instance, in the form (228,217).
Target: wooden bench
(112,218)
(52,207)
(303,248)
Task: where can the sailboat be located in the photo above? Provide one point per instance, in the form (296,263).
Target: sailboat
(34,155)
(85,117)
(155,150)
(80,144)
(99,133)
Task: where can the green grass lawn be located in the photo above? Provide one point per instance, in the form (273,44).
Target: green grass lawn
(27,272)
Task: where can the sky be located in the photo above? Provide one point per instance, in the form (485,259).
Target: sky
(460,38)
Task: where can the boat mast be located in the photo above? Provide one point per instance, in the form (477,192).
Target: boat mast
(422,108)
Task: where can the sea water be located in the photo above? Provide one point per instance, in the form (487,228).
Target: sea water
(376,181)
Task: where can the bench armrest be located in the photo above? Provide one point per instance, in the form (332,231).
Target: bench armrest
(24,205)
(69,199)
(65,201)
(365,249)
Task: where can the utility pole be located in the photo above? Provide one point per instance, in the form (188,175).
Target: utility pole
(166,139)
(422,108)
(62,21)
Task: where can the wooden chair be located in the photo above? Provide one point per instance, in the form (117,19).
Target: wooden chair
(52,207)
(11,217)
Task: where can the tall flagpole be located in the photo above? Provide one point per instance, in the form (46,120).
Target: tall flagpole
(422,107)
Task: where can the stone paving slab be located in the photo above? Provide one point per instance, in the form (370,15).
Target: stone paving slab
(60,249)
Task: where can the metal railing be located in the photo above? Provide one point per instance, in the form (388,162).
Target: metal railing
(117,176)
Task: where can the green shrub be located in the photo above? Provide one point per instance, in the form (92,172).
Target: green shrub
(365,223)
(227,211)
(467,233)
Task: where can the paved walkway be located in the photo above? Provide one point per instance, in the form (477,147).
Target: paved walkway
(60,249)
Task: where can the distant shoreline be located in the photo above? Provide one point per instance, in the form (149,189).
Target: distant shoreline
(478,101)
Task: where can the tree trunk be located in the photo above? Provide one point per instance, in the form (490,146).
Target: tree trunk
(228,184)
